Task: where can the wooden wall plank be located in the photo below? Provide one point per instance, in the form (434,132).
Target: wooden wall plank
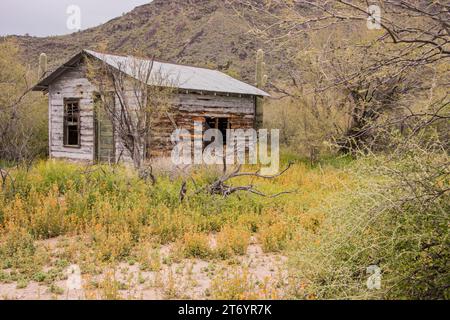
(186,107)
(71,84)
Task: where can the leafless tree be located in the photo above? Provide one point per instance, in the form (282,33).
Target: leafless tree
(133,94)
(381,72)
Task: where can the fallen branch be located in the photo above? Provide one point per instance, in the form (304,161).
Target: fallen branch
(220,187)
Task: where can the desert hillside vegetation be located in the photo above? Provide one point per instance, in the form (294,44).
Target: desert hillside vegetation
(364,122)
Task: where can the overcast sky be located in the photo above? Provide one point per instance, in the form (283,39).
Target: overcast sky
(49,17)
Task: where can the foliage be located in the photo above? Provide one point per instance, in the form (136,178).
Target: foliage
(232,240)
(395,218)
(274,237)
(374,78)
(240,285)
(346,217)
(23,115)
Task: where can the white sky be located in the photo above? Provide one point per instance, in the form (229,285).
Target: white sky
(49,17)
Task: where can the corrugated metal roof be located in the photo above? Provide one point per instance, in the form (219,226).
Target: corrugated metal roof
(179,76)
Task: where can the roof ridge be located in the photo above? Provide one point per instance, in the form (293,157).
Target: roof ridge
(157,60)
(193,78)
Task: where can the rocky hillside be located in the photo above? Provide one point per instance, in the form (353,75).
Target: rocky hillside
(207,33)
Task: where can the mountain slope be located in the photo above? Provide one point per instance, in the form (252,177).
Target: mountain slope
(200,32)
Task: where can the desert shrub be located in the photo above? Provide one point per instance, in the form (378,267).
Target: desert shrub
(235,286)
(111,243)
(43,215)
(307,123)
(232,240)
(250,221)
(16,241)
(114,232)
(396,219)
(115,217)
(238,284)
(49,218)
(109,288)
(20,255)
(169,225)
(23,118)
(148,256)
(17,247)
(196,245)
(274,237)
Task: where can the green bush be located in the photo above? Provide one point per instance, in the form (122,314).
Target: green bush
(396,219)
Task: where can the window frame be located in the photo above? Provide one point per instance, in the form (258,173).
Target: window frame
(68,101)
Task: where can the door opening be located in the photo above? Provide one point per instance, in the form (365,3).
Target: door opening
(104,142)
(221,124)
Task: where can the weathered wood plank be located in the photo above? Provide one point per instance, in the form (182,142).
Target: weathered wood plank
(185,109)
(72,155)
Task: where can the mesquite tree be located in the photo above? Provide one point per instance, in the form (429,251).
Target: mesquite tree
(384,62)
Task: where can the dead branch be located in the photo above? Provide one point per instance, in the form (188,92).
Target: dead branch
(5,175)
(183,191)
(146,174)
(222,188)
(237,173)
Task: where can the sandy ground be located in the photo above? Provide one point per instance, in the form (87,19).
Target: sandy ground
(187,279)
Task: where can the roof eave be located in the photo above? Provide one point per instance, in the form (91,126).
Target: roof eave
(218,92)
(44,83)
(39,88)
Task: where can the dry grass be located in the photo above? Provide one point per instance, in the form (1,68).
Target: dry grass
(117,218)
(207,247)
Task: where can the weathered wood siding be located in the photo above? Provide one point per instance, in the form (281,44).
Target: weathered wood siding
(189,107)
(186,108)
(104,137)
(71,84)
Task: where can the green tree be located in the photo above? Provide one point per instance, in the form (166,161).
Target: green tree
(23,114)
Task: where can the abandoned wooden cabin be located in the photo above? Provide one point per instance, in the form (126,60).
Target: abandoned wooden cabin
(77,132)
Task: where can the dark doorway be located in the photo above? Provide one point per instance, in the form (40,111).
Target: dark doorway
(222,124)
